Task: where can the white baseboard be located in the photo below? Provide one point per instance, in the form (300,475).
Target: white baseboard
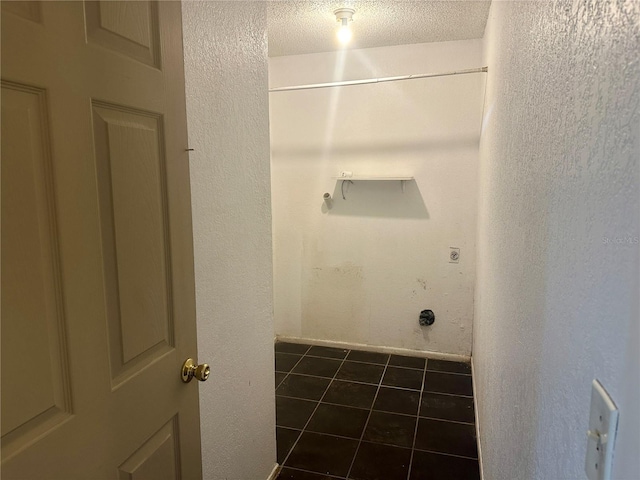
(375,348)
(274,473)
(475,407)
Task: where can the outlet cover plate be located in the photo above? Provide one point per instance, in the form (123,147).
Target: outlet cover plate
(454,255)
(603,425)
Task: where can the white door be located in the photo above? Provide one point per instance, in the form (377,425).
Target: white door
(98,308)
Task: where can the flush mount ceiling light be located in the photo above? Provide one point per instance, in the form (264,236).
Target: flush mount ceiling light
(344,16)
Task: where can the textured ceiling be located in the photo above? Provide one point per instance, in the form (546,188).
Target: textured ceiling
(297,27)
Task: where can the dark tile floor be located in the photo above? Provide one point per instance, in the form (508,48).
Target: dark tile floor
(348,414)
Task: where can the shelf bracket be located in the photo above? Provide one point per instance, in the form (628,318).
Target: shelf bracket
(342,187)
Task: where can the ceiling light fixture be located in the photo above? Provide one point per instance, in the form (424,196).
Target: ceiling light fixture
(344,16)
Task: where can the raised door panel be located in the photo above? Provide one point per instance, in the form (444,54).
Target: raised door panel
(157,459)
(129,28)
(30,10)
(35,379)
(132,190)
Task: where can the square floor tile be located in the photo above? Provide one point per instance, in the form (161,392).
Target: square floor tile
(390,428)
(380,462)
(433,466)
(368,357)
(407,362)
(360,372)
(350,394)
(300,386)
(446,437)
(292,412)
(286,361)
(279,378)
(446,366)
(298,348)
(328,352)
(323,454)
(320,367)
(448,383)
(292,474)
(403,377)
(285,438)
(338,420)
(397,401)
(447,407)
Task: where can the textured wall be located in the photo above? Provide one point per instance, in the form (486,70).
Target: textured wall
(362,271)
(227,106)
(557,289)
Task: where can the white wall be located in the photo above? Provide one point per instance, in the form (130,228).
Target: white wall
(227,107)
(556,303)
(362,271)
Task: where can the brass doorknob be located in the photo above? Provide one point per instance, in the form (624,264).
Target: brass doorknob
(190,370)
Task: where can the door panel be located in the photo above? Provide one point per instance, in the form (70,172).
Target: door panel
(129,28)
(33,323)
(98,304)
(129,155)
(25,9)
(157,459)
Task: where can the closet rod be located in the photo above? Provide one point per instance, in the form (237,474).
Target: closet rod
(376,80)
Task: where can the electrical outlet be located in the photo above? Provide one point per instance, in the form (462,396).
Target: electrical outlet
(454,255)
(603,426)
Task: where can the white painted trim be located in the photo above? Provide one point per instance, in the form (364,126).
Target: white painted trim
(475,408)
(375,348)
(274,473)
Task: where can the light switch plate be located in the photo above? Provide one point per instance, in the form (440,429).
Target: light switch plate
(603,426)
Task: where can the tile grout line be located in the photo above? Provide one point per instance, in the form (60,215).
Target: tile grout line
(374,384)
(316,473)
(455,455)
(287,373)
(450,373)
(347,438)
(458,422)
(381,411)
(285,376)
(415,432)
(284,462)
(448,394)
(342,379)
(370,363)
(353,461)
(346,359)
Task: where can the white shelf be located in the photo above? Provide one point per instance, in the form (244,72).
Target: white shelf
(357,178)
(362,177)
